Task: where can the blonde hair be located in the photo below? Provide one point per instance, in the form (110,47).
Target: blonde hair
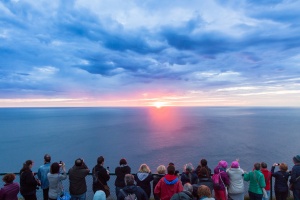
(203,191)
(144,168)
(283,167)
(161,169)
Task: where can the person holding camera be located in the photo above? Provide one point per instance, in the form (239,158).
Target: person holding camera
(281,181)
(102,176)
(28,183)
(55,178)
(77,176)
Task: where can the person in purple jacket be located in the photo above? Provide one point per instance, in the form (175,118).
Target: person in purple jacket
(220,190)
(10,190)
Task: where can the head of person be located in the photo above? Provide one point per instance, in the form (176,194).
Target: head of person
(99,195)
(27,165)
(188,168)
(235,164)
(100,160)
(203,191)
(144,168)
(47,158)
(129,179)
(256,166)
(8,178)
(203,173)
(54,168)
(264,165)
(123,161)
(283,167)
(171,170)
(78,162)
(296,159)
(223,164)
(161,169)
(188,187)
(171,164)
(203,162)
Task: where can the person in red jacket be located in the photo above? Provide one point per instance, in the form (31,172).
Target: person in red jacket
(168,185)
(267,174)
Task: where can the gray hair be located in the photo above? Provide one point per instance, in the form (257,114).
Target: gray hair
(189,167)
(188,187)
(129,179)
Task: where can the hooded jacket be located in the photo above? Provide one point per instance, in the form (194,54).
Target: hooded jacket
(223,176)
(168,186)
(236,185)
(184,195)
(143,180)
(133,189)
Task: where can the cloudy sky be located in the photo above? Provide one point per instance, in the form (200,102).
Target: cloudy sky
(141,53)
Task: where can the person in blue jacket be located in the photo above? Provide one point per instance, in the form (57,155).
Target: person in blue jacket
(42,175)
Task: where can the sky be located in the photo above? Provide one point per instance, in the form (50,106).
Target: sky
(144,53)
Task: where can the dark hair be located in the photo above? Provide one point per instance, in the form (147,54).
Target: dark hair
(263,165)
(100,160)
(203,162)
(26,165)
(54,168)
(123,161)
(203,173)
(171,164)
(9,178)
(257,166)
(47,158)
(78,162)
(171,169)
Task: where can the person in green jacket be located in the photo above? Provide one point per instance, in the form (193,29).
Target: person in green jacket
(257,182)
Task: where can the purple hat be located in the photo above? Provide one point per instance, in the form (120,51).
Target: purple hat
(223,164)
(235,164)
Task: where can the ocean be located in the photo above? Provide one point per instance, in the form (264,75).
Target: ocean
(149,135)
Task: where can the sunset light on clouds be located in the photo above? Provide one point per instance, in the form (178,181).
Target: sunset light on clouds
(149,53)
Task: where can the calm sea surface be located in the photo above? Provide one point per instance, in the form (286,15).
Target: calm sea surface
(149,135)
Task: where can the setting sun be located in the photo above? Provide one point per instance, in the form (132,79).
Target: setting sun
(159,104)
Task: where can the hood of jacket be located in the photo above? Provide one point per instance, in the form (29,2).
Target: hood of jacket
(170,179)
(130,189)
(142,175)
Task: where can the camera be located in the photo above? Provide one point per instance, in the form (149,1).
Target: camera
(278,164)
(60,163)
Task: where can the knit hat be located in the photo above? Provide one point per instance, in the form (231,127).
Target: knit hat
(235,164)
(296,159)
(223,164)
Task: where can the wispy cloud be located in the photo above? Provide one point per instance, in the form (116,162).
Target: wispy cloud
(113,50)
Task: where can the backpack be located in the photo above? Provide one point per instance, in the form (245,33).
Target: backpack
(95,176)
(216,180)
(128,196)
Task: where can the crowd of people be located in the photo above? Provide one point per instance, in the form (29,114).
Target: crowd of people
(226,182)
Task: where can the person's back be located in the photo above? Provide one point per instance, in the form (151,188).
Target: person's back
(42,175)
(236,186)
(295,177)
(120,172)
(143,179)
(267,174)
(257,182)
(161,171)
(203,163)
(131,191)
(168,185)
(55,178)
(10,190)
(203,179)
(102,176)
(77,180)
(186,194)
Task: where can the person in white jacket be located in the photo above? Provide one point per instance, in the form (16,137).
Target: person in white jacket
(236,187)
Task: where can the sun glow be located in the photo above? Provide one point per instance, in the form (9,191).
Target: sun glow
(159,104)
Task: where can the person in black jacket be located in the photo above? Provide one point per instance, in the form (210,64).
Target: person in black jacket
(281,181)
(28,182)
(77,176)
(203,179)
(295,178)
(143,179)
(102,175)
(120,172)
(131,189)
(203,163)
